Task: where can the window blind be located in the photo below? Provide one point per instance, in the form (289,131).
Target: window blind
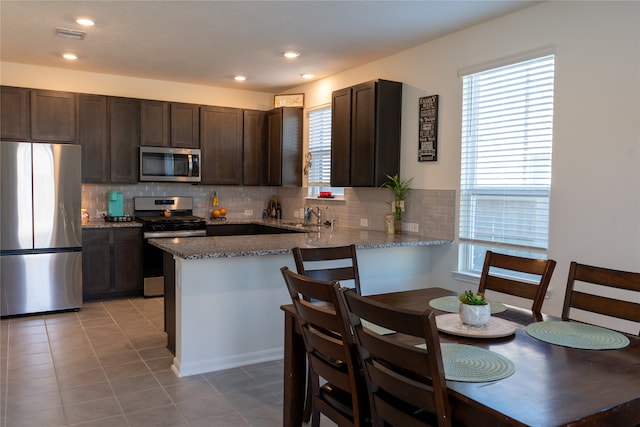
(320,147)
(507,126)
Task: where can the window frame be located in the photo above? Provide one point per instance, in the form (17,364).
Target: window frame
(472,247)
(315,187)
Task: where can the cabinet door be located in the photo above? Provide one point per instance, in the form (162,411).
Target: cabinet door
(221,145)
(291,147)
(341,138)
(53,116)
(92,136)
(284,147)
(388,123)
(274,147)
(254,138)
(124,138)
(154,123)
(96,263)
(127,260)
(14,122)
(185,125)
(363,120)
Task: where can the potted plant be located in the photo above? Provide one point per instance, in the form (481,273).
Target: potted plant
(474,309)
(399,188)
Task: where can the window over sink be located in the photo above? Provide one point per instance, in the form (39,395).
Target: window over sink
(319,170)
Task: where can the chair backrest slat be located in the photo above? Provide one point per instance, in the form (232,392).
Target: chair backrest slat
(601,280)
(489,280)
(312,262)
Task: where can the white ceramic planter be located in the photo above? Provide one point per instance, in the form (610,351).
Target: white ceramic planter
(475,315)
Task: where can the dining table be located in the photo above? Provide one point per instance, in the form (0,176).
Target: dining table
(552,385)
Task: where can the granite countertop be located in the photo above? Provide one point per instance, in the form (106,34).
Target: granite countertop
(100,223)
(276,244)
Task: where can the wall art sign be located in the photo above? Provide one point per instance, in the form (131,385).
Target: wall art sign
(289,100)
(428,129)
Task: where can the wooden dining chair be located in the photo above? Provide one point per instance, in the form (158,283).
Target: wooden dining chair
(333,263)
(406,384)
(593,299)
(331,351)
(501,281)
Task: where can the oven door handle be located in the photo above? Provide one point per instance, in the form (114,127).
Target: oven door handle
(170,234)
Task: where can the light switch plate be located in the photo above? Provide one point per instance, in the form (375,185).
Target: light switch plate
(364,222)
(411,227)
(248,212)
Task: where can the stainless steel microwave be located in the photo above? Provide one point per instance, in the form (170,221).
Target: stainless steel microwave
(170,164)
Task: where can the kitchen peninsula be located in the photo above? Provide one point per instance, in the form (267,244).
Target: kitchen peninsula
(223,294)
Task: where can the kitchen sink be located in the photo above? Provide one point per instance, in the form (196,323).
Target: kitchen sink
(248,229)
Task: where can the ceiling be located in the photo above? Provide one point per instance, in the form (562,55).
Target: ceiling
(209,42)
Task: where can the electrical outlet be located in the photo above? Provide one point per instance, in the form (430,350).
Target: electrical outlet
(364,222)
(411,227)
(100,214)
(296,213)
(248,212)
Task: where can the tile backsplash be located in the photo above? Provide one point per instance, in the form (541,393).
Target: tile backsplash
(433,211)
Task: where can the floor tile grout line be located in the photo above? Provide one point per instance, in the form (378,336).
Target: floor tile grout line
(173,403)
(84,331)
(128,337)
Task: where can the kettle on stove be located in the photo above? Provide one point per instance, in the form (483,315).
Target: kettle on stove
(115,205)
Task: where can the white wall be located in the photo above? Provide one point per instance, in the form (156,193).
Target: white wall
(595,206)
(32,76)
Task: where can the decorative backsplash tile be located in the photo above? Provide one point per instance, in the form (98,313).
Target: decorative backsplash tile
(432,210)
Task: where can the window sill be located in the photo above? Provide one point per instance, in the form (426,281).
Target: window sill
(339,199)
(465,277)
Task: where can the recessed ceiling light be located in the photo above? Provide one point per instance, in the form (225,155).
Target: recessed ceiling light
(85,21)
(291,55)
(307,76)
(240,78)
(70,56)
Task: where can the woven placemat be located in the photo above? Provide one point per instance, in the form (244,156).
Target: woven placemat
(577,335)
(471,364)
(451,304)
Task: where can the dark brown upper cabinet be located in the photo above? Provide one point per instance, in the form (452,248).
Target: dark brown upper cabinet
(365,133)
(14,107)
(93,138)
(284,147)
(221,145)
(254,147)
(53,116)
(124,139)
(155,125)
(185,125)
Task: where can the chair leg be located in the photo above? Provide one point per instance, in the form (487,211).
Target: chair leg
(308,404)
(315,419)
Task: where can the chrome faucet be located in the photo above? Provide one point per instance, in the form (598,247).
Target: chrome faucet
(317,213)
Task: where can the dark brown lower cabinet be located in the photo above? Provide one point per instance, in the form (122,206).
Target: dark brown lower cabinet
(111,263)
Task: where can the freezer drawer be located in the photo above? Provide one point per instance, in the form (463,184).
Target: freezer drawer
(37,283)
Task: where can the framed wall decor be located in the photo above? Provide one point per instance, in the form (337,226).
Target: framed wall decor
(289,100)
(428,129)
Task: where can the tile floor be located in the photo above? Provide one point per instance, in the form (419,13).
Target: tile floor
(107,365)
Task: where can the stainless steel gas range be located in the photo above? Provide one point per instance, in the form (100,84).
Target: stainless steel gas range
(163,217)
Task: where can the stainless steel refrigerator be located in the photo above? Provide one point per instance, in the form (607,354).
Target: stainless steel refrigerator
(40,225)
